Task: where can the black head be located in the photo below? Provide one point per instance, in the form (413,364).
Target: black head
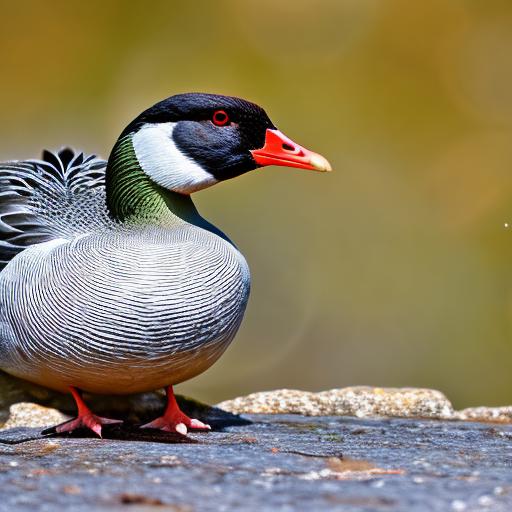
(190,141)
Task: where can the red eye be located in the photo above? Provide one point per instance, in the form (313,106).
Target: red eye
(220,118)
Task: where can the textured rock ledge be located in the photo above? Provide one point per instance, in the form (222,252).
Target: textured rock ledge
(363,402)
(360,401)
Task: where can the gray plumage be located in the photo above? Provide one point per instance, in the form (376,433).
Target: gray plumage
(108,308)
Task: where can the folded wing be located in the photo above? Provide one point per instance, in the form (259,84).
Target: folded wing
(60,196)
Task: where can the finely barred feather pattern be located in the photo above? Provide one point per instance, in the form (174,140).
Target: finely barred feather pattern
(122,312)
(107,307)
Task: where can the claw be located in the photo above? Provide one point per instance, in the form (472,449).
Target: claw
(181,428)
(199,424)
(174,420)
(85,418)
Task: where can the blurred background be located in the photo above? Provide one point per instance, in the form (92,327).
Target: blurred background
(394,270)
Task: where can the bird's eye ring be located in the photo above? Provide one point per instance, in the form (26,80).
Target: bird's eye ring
(220,118)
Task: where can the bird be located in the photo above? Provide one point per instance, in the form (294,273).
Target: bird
(111,282)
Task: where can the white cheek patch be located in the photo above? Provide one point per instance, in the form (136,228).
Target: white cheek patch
(165,164)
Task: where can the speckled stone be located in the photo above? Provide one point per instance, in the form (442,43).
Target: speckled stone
(497,414)
(364,401)
(280,401)
(359,401)
(26,414)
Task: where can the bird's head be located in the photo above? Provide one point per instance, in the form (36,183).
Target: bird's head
(191,141)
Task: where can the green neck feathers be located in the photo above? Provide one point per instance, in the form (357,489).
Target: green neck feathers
(133,197)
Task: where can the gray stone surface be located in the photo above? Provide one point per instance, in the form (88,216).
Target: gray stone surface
(315,459)
(276,463)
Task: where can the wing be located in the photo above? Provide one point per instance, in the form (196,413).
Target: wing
(60,196)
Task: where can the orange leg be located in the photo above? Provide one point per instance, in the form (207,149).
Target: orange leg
(173,419)
(85,417)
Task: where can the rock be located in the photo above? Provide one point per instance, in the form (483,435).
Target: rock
(280,401)
(268,462)
(26,414)
(364,401)
(360,401)
(276,463)
(492,414)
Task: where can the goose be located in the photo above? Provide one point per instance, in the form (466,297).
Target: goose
(111,282)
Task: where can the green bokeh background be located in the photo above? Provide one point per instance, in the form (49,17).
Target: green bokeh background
(394,270)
